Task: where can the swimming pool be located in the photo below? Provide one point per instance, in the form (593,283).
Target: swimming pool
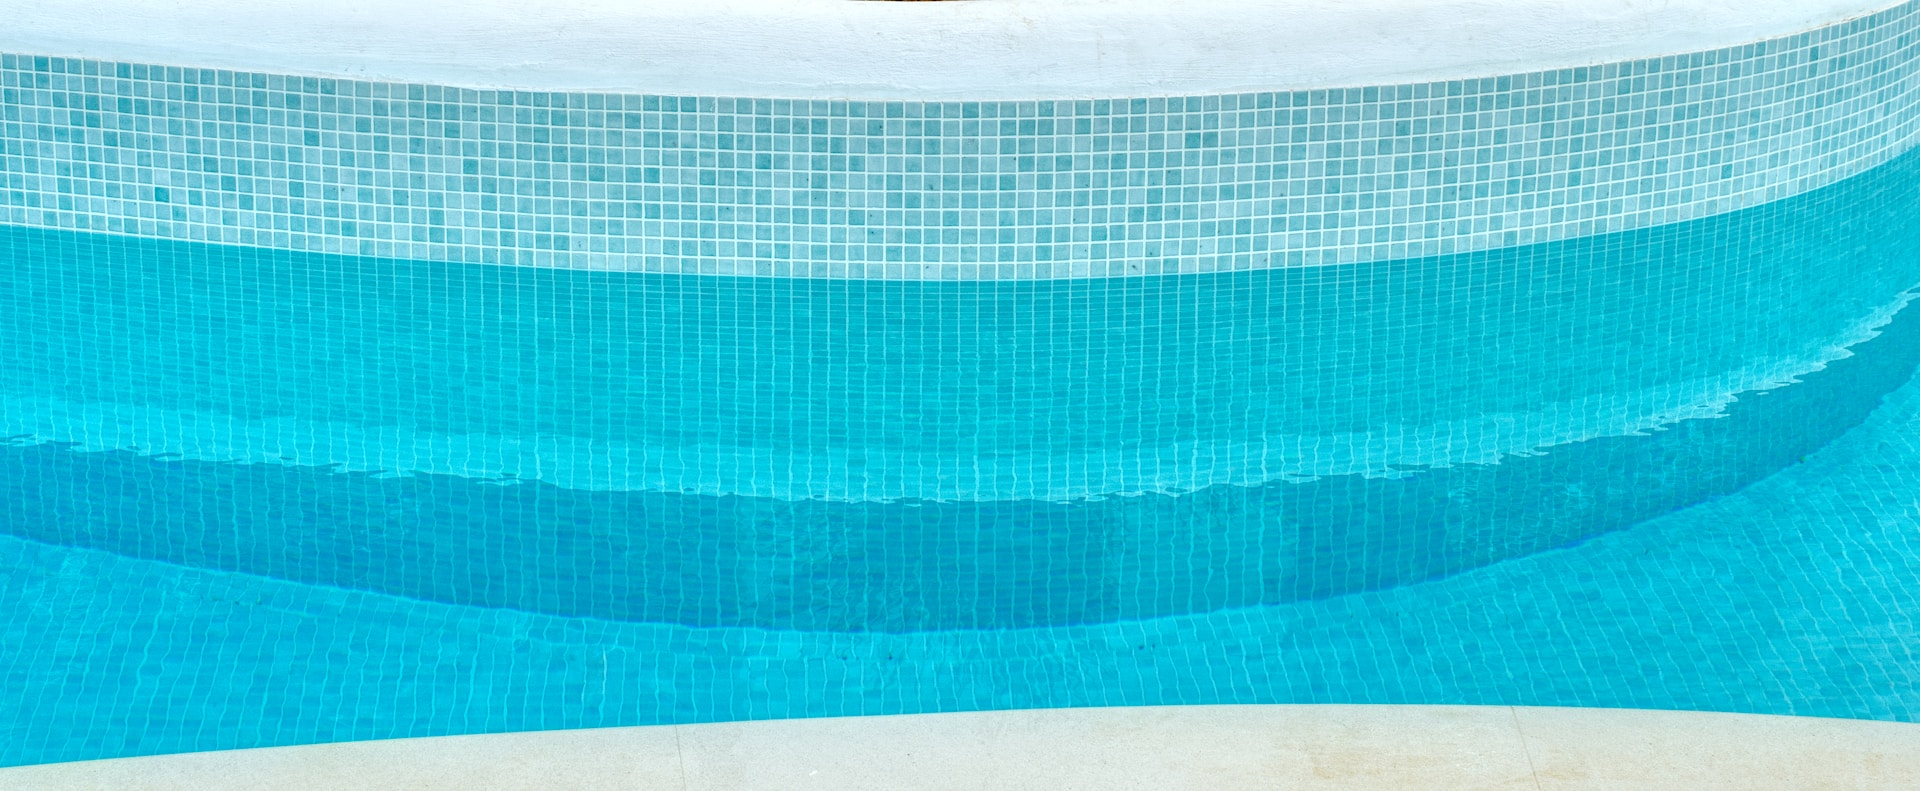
(340,409)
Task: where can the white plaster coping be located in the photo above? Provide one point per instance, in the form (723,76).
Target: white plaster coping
(974,49)
(1214,747)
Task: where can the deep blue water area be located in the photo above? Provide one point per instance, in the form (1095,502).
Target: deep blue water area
(1793,595)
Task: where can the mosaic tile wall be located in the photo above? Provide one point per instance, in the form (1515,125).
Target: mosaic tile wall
(952,190)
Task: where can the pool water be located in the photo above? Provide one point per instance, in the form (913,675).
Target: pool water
(335,409)
(255,498)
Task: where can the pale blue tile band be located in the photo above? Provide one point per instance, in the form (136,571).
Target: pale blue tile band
(950,190)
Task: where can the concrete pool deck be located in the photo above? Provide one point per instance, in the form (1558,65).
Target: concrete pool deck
(1217,747)
(838,49)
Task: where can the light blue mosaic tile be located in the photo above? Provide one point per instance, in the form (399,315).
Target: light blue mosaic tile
(947,190)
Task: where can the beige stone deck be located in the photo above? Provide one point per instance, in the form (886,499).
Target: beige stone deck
(1211,747)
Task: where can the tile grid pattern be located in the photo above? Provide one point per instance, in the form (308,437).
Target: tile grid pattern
(947,190)
(158,597)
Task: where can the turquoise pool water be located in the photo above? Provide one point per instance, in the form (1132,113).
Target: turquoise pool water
(1742,542)
(336,410)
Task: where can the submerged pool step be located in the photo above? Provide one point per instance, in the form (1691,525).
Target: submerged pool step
(182,402)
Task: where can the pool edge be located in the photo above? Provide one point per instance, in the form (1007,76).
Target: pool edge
(1234,746)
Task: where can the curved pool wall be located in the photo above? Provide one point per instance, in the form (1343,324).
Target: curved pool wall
(495,410)
(1600,383)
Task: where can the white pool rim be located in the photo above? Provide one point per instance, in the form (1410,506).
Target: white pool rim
(855,49)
